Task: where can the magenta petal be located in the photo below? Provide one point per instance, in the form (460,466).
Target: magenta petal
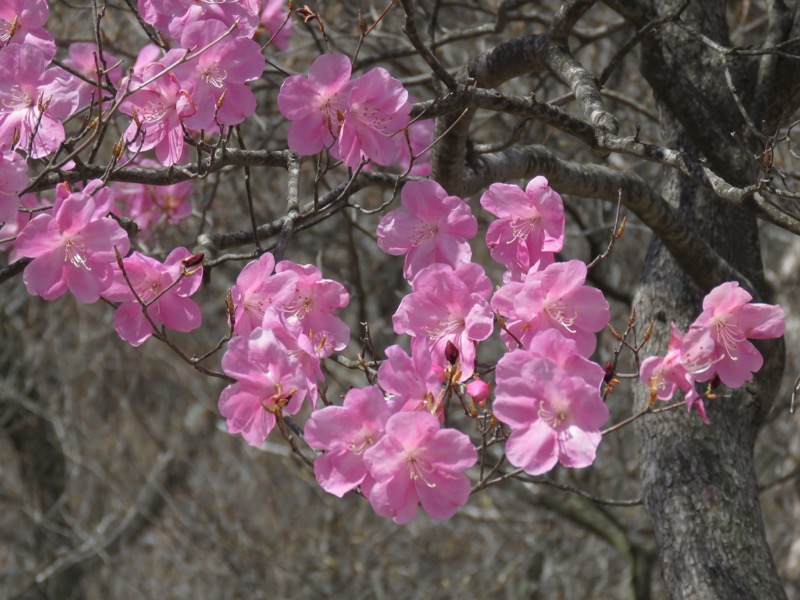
(180,314)
(43,277)
(131,324)
(339,471)
(533,449)
(444,493)
(578,447)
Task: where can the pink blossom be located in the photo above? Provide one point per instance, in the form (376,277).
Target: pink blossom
(84,58)
(13,179)
(273,19)
(315,104)
(420,139)
(267,385)
(554,298)
(310,301)
(150,205)
(22,22)
(530,223)
(346,433)
(300,347)
(731,319)
(412,381)
(553,417)
(686,360)
(377,111)
(218,75)
(257,289)
(155,283)
(158,110)
(429,227)
(72,247)
(33,99)
(13,226)
(447,305)
(416,462)
(175,15)
(563,352)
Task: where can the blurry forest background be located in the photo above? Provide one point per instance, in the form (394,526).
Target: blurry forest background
(118,479)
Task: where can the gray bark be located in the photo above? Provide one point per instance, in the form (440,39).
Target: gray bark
(699,481)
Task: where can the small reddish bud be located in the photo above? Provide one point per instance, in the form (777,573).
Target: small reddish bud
(609,372)
(451,353)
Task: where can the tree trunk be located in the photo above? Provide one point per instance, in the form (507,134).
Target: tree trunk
(699,482)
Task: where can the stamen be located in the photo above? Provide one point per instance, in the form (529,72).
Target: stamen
(444,327)
(18,100)
(214,76)
(553,416)
(562,314)
(421,471)
(521,228)
(423,232)
(73,253)
(730,336)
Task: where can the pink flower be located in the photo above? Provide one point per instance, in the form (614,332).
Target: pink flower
(563,352)
(158,110)
(416,462)
(346,433)
(219,75)
(252,294)
(447,305)
(377,110)
(13,178)
(300,348)
(267,385)
(22,22)
(554,298)
(33,99)
(155,284)
(687,359)
(13,226)
(731,320)
(530,224)
(273,18)
(176,15)
(82,59)
(72,248)
(412,381)
(553,417)
(309,300)
(420,137)
(314,104)
(150,205)
(429,227)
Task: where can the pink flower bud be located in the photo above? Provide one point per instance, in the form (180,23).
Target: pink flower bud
(479,390)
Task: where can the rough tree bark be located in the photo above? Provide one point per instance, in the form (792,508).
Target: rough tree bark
(699,482)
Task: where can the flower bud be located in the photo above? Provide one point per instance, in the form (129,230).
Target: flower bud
(451,353)
(478,390)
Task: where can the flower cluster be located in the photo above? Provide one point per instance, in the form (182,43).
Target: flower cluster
(198,86)
(400,459)
(284,326)
(357,120)
(391,439)
(716,345)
